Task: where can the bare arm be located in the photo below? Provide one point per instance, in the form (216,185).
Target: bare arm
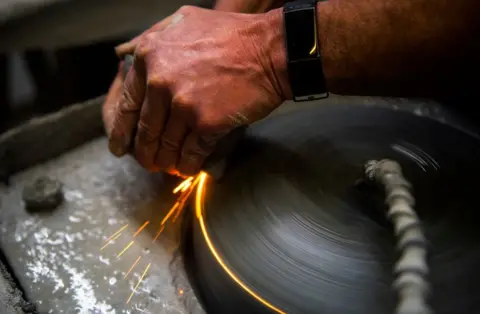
(419,48)
(247,6)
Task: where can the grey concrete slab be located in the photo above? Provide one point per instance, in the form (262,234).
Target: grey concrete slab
(63,130)
(57,258)
(11,298)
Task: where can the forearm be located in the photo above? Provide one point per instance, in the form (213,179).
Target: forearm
(398,48)
(247,6)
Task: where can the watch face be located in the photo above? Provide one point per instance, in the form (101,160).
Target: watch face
(301,31)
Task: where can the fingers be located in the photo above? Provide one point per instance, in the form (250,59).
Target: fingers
(171,142)
(130,46)
(111,101)
(195,150)
(128,109)
(153,117)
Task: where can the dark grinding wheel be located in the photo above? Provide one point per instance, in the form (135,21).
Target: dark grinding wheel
(292,222)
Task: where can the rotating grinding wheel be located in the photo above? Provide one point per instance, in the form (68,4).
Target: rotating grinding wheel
(292,228)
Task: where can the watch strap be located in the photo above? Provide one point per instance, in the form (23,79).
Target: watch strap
(304,63)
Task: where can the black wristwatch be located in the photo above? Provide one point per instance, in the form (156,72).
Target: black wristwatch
(304,62)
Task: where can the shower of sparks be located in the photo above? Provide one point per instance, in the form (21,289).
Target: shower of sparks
(177,213)
(116,233)
(132,267)
(113,237)
(138,283)
(158,233)
(183,192)
(183,186)
(170,213)
(187,186)
(125,249)
(141,228)
(110,242)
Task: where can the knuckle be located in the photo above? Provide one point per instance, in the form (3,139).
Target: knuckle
(184,101)
(238,119)
(145,133)
(156,81)
(143,47)
(149,37)
(205,123)
(185,9)
(169,145)
(129,101)
(119,118)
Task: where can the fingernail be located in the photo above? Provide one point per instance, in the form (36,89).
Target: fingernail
(119,49)
(116,148)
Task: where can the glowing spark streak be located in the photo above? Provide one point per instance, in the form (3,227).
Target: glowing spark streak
(133,266)
(177,214)
(158,233)
(183,199)
(199,213)
(141,228)
(170,213)
(125,249)
(179,204)
(186,186)
(138,283)
(197,179)
(116,233)
(110,242)
(182,185)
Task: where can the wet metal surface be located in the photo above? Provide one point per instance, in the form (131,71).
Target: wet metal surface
(56,256)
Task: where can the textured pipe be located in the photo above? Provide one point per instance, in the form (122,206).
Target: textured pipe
(411,269)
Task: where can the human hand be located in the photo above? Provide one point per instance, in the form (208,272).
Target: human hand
(112,99)
(196,76)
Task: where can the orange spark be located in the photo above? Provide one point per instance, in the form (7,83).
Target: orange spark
(199,199)
(170,212)
(182,185)
(138,283)
(141,228)
(116,233)
(110,242)
(186,186)
(158,233)
(177,214)
(125,249)
(133,266)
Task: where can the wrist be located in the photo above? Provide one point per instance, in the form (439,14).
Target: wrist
(276,51)
(246,6)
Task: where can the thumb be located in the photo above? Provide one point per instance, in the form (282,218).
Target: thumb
(127,48)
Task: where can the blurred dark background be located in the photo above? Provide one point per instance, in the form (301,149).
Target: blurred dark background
(36,82)
(54,53)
